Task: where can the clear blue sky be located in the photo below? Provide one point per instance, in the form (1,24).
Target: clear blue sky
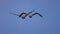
(11,24)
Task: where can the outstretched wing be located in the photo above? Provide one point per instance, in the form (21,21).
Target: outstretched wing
(37,14)
(22,14)
(31,11)
(14,14)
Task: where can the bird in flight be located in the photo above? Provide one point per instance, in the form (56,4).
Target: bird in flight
(23,15)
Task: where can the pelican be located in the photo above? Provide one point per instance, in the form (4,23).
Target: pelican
(30,16)
(23,15)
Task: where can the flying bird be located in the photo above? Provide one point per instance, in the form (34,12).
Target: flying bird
(23,15)
(35,14)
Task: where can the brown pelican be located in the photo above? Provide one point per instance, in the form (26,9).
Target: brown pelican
(35,14)
(23,15)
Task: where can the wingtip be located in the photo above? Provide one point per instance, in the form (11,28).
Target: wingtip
(13,13)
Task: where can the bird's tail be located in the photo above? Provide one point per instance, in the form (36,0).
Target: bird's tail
(14,14)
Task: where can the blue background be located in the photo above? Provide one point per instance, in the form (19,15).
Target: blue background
(11,24)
